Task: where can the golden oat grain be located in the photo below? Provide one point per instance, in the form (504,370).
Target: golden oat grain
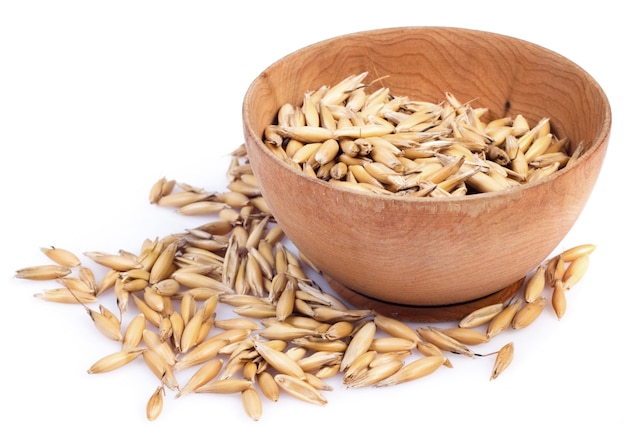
(550,158)
(207,372)
(286,301)
(250,370)
(430,349)
(192,330)
(296,353)
(154,342)
(503,360)
(188,306)
(362,176)
(359,366)
(134,285)
(375,375)
(317,381)
(319,359)
(43,272)
(341,91)
(182,198)
(338,330)
(236,323)
(503,320)
(232,199)
(268,386)
(115,360)
(575,270)
(155,301)
(383,358)
(554,269)
(443,341)
(520,125)
(152,316)
(300,389)
(559,300)
(107,281)
(216,227)
(320,344)
(264,263)
(178,325)
(284,331)
(328,371)
(87,276)
(331,301)
(122,297)
(243,187)
(160,368)
(538,147)
(134,332)
(167,287)
(163,264)
(543,172)
(391,344)
(118,262)
(156,191)
(65,295)
(238,300)
(573,253)
(381,172)
(414,370)
(359,344)
(166,331)
(61,256)
(256,310)
(154,407)
(200,354)
(106,323)
(305,322)
(252,403)
(75,284)
(279,360)
(326,152)
(254,276)
(197,280)
(235,365)
(535,284)
(329,314)
(225,386)
(528,313)
(466,336)
(481,316)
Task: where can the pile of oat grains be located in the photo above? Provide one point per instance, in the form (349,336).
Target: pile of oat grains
(367,140)
(287,335)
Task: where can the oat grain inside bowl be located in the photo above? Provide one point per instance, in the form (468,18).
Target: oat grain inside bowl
(367,139)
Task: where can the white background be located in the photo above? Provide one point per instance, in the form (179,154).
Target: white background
(100,99)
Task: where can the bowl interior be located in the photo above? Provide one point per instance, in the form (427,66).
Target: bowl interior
(376,244)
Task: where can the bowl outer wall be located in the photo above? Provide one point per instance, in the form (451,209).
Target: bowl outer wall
(429,251)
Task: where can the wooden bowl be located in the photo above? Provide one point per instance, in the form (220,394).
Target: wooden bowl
(431,258)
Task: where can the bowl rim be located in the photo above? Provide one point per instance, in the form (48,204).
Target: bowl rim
(601,139)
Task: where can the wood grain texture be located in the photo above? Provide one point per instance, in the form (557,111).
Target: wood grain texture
(426,313)
(432,252)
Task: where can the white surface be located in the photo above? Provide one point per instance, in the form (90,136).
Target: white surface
(100,99)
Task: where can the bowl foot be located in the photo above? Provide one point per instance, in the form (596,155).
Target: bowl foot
(412,313)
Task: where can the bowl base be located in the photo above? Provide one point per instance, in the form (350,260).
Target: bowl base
(429,314)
